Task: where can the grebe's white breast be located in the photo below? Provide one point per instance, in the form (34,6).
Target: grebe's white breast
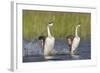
(75,43)
(49,45)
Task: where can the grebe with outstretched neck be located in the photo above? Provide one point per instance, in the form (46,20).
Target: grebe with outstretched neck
(73,41)
(48,42)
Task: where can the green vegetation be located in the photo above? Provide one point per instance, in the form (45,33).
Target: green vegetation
(35,24)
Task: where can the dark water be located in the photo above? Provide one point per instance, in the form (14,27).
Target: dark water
(33,51)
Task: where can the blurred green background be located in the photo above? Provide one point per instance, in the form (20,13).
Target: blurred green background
(35,24)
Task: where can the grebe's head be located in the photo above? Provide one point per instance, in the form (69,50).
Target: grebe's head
(50,23)
(78,25)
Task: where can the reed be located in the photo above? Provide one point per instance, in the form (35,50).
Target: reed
(35,23)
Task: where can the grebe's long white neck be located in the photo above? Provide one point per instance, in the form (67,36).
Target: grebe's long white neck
(49,34)
(48,29)
(76,31)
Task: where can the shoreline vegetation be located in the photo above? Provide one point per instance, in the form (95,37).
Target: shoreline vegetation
(35,24)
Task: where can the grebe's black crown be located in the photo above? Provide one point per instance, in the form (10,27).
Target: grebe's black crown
(50,22)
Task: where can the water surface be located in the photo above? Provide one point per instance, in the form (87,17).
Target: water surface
(33,51)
